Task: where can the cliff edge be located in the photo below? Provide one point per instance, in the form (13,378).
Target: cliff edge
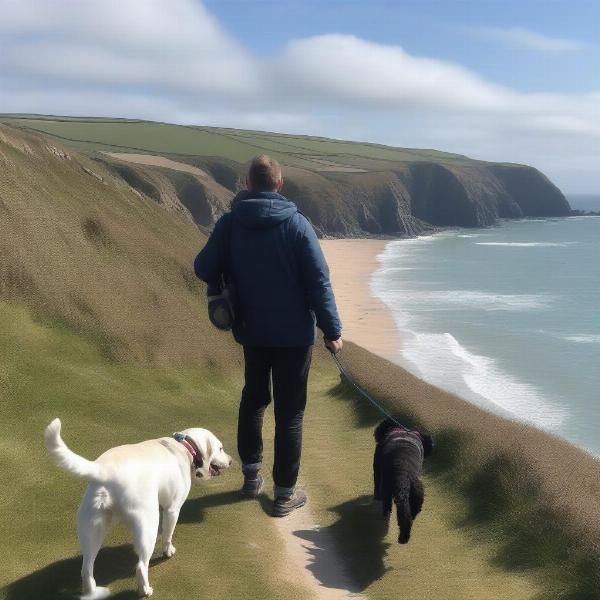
(347,189)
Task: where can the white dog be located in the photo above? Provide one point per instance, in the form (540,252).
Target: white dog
(131,483)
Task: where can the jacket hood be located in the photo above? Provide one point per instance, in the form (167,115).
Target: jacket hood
(261,210)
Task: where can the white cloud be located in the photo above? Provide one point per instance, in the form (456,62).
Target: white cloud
(346,67)
(520,37)
(177,45)
(172,61)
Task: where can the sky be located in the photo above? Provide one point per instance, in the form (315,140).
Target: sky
(511,81)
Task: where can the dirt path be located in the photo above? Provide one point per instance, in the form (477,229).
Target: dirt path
(159,161)
(314,560)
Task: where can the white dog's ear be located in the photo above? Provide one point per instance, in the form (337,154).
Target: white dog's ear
(202,463)
(200,457)
(199,469)
(209,449)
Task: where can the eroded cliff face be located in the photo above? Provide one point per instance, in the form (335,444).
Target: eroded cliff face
(535,194)
(418,197)
(406,200)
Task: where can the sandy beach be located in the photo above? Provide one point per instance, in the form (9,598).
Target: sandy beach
(366,321)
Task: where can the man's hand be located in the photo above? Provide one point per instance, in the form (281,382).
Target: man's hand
(334,346)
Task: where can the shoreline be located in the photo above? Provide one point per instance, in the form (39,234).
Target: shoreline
(369,322)
(366,320)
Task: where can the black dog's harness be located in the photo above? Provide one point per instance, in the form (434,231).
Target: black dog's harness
(188,443)
(402,435)
(402,431)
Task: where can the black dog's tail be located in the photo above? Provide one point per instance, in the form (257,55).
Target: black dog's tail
(404,514)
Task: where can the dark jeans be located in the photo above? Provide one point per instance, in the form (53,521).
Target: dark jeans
(288,368)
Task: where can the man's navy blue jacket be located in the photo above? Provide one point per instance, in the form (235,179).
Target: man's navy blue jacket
(280,276)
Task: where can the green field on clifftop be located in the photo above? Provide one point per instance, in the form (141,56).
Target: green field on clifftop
(121,135)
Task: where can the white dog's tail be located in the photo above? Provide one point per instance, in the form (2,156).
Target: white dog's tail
(67,459)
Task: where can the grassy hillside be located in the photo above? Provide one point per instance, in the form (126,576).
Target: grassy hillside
(131,287)
(234,144)
(104,326)
(349,189)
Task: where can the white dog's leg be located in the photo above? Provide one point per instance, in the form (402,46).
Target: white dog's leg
(92,526)
(144,528)
(170,516)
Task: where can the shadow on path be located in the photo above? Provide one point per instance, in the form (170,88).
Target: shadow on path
(354,546)
(193,509)
(61,579)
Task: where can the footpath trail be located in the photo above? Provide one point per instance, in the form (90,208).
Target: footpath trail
(314,558)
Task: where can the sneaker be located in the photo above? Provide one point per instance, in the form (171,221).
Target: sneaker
(284,505)
(253,485)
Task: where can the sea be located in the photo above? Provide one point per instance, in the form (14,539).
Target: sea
(506,317)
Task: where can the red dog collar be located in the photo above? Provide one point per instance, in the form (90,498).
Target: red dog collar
(188,443)
(189,447)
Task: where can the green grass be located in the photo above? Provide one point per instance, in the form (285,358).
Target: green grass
(226,548)
(234,144)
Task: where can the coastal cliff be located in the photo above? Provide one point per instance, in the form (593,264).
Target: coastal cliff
(406,200)
(347,189)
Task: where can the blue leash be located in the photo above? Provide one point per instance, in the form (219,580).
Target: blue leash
(365,394)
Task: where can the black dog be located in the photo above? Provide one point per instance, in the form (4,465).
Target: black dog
(397,464)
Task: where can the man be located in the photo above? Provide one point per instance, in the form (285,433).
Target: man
(272,255)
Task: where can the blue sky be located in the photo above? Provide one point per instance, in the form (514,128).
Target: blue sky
(505,81)
(438,29)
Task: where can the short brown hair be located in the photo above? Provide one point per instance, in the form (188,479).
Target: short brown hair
(264,173)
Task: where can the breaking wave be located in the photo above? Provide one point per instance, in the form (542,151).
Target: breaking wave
(527,244)
(461,298)
(514,331)
(441,360)
(584,339)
